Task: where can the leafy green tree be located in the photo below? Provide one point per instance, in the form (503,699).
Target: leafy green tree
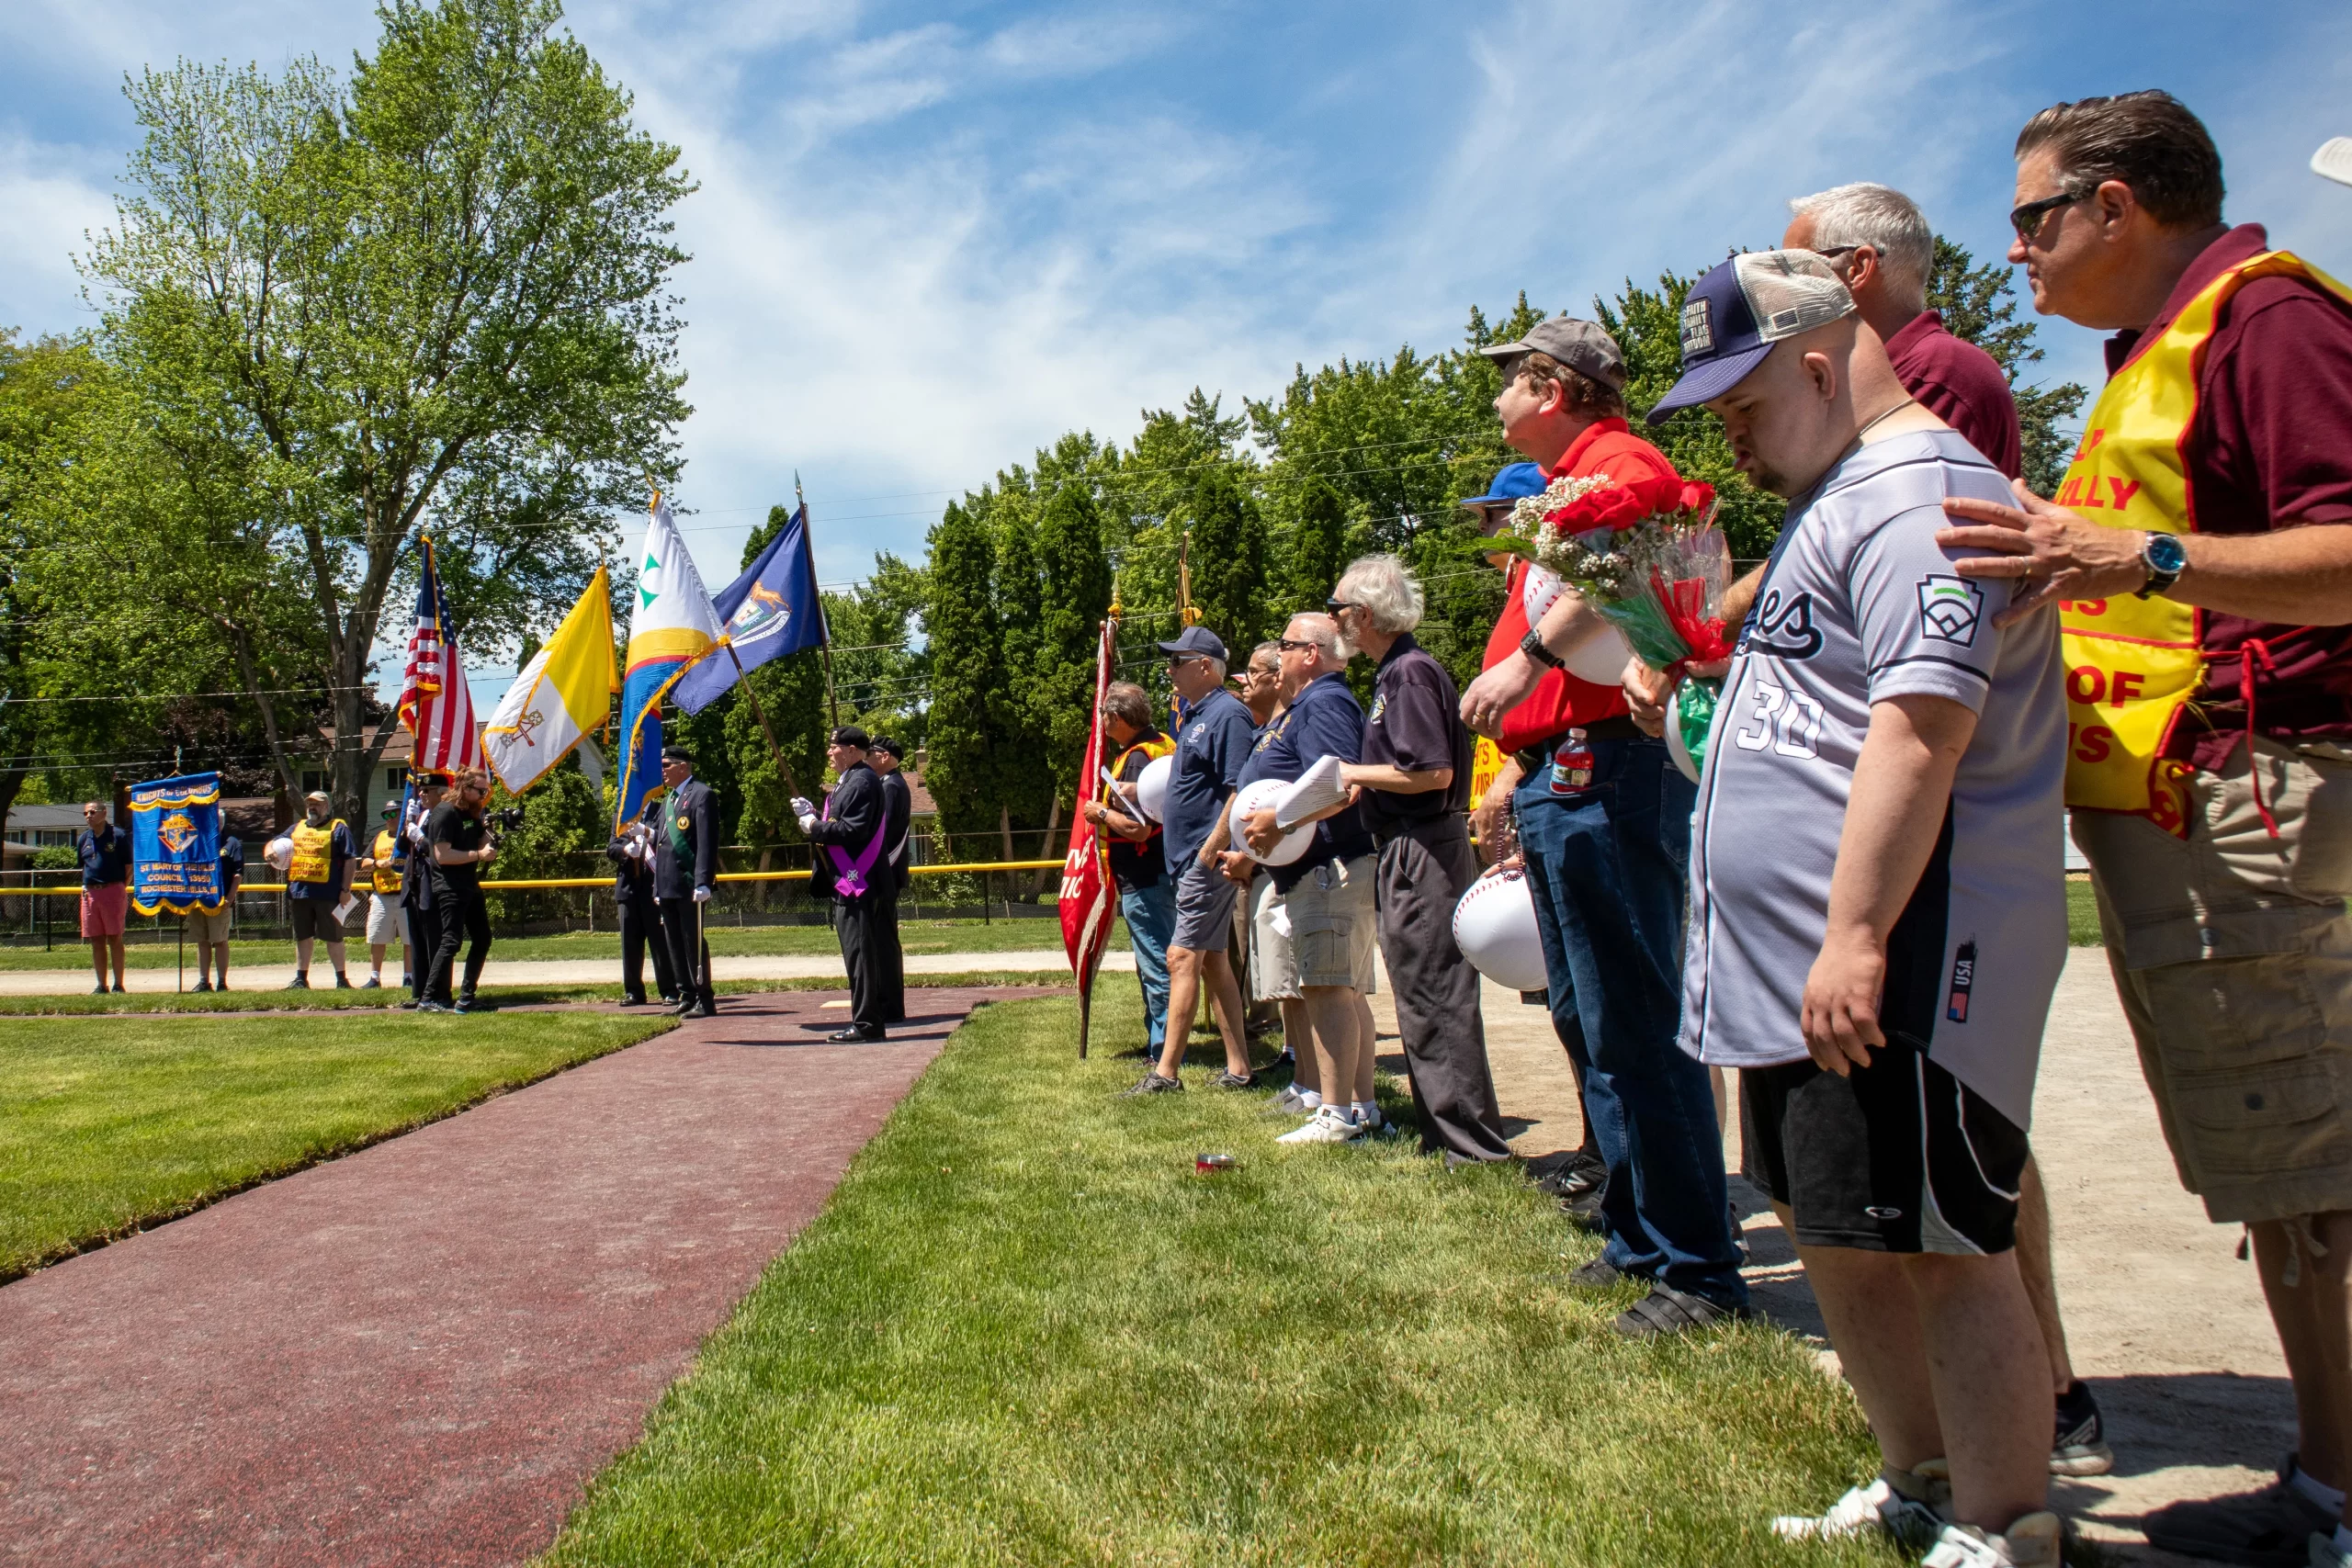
(1227,557)
(1075,576)
(437,292)
(563,833)
(1978,304)
(968,697)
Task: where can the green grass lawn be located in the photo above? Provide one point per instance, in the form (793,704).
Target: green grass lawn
(1024,1332)
(106,1126)
(2082,914)
(142,951)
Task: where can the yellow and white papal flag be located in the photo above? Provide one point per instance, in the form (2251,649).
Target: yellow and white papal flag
(564,692)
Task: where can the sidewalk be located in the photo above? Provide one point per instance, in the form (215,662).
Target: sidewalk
(2160,1315)
(419,1354)
(592,971)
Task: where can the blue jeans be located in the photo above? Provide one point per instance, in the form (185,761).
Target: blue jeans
(1607,866)
(1151,914)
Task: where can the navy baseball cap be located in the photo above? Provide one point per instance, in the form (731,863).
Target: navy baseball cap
(1732,316)
(1515,482)
(1197,640)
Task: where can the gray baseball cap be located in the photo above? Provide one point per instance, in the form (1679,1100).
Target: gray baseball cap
(1583,346)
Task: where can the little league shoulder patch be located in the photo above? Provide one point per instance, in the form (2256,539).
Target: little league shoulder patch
(1950,608)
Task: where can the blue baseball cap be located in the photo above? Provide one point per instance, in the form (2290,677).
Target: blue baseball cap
(1197,640)
(1732,316)
(1515,482)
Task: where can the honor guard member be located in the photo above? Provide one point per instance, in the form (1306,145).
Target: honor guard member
(316,880)
(458,845)
(632,853)
(849,839)
(386,924)
(884,757)
(686,862)
(415,860)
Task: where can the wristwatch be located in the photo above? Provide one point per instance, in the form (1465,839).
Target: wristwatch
(1532,645)
(2166,558)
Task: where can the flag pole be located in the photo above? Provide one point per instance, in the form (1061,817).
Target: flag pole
(744,680)
(832,706)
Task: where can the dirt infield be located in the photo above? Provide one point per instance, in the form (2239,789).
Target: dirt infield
(419,1354)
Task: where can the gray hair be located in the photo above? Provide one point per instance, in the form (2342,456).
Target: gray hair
(1388,592)
(1126,700)
(1272,648)
(1320,629)
(1884,219)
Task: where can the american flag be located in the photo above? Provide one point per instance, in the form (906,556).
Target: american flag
(435,702)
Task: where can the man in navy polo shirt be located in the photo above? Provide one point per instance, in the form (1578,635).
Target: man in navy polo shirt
(1328,891)
(1211,746)
(105,850)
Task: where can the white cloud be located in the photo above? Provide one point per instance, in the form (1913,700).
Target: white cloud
(50,197)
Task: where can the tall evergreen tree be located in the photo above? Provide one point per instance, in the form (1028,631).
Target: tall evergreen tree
(968,697)
(1228,561)
(1075,579)
(1318,548)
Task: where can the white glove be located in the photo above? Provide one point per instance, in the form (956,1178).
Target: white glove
(702,894)
(808,822)
(803,807)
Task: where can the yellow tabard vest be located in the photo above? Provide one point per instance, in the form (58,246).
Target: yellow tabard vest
(313,852)
(2134,664)
(388,880)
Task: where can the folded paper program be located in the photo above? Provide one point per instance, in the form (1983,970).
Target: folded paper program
(1316,789)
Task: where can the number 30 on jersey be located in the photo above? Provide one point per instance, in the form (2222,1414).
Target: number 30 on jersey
(1787,721)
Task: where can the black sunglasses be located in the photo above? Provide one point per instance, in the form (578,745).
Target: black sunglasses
(1289,646)
(2027,220)
(1334,606)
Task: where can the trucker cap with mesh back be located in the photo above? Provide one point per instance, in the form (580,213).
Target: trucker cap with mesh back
(1732,316)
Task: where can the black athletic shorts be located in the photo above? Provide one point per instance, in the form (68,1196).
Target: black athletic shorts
(313,918)
(1897,1157)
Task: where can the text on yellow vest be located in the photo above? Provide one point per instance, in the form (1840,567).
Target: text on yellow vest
(313,852)
(2134,664)
(388,879)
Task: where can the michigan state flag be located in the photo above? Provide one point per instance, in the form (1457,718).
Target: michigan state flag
(175,844)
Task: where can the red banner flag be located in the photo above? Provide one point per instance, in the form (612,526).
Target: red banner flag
(1086,901)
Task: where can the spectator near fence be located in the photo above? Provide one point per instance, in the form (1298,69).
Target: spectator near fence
(105,852)
(208,928)
(387,922)
(317,879)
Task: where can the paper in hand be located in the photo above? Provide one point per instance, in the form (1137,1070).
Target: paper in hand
(1316,789)
(343,911)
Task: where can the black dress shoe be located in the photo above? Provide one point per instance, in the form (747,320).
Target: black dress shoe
(632,1001)
(853,1035)
(696,1009)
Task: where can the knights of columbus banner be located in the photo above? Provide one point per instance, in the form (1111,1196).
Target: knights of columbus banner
(175,844)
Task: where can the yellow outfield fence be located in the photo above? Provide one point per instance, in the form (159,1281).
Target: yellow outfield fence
(949,868)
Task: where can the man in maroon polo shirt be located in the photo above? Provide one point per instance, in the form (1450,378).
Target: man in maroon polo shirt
(2222,907)
(1878,241)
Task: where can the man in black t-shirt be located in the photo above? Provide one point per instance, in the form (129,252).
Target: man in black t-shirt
(1414,783)
(458,840)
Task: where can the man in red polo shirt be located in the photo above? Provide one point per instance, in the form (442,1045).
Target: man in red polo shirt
(2201,560)
(1605,822)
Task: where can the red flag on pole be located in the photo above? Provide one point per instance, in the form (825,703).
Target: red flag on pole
(1087,903)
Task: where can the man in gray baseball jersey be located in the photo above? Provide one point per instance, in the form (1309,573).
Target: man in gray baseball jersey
(1878,914)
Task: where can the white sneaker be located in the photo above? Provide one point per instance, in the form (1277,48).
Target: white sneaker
(1910,1505)
(1372,1120)
(2033,1540)
(1330,1124)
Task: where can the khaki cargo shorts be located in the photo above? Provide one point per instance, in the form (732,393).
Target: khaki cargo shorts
(1334,927)
(2234,958)
(1274,974)
(206,928)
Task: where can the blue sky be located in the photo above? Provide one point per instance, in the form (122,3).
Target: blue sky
(929,239)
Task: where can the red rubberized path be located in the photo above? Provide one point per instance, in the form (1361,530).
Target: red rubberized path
(420,1353)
